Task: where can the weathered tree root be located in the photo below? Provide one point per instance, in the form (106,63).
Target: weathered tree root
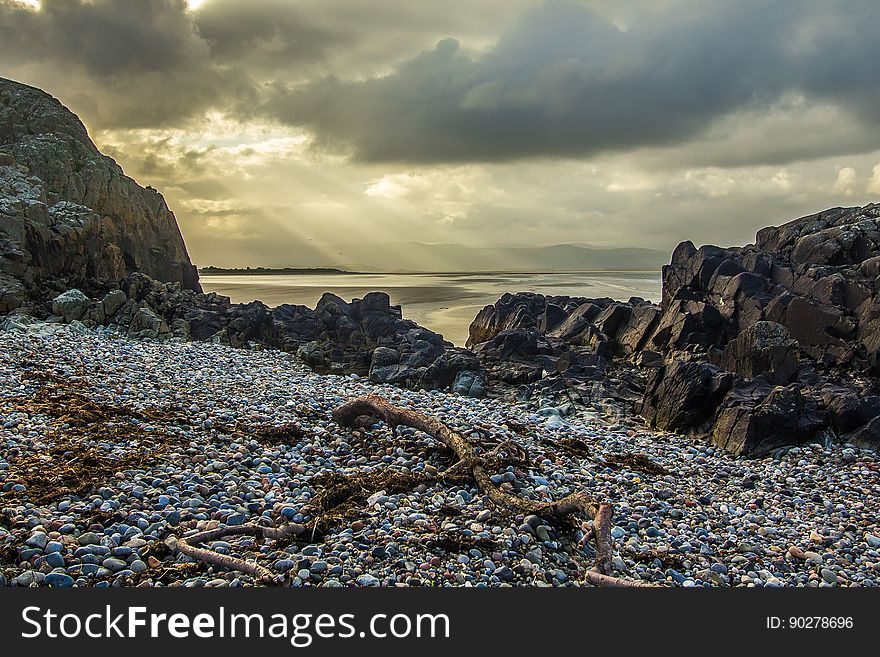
(352,414)
(602,538)
(376,406)
(188,547)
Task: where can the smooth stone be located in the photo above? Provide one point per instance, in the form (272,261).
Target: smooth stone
(59,580)
(367,580)
(114,564)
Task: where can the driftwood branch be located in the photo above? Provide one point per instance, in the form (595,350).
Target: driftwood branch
(602,538)
(598,579)
(188,546)
(376,406)
(469,463)
(353,412)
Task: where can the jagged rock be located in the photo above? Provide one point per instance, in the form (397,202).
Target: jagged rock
(682,396)
(848,409)
(112,302)
(18,322)
(552,317)
(756,418)
(70,305)
(146,324)
(577,322)
(613,318)
(511,311)
(867,436)
(469,383)
(764,348)
(641,324)
(687,322)
(12,293)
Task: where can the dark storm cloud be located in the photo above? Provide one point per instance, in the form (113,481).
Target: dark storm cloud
(123,64)
(566,81)
(155,63)
(265,34)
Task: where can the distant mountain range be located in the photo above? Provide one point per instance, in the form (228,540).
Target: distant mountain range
(420,257)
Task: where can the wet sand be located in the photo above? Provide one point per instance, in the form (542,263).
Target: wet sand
(446,303)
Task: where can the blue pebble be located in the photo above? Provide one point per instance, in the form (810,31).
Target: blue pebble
(59,580)
(55,560)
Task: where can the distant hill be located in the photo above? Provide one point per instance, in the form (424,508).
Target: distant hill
(417,256)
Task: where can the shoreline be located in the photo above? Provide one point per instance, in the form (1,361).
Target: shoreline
(434,301)
(714,519)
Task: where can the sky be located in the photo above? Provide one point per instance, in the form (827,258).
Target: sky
(280,131)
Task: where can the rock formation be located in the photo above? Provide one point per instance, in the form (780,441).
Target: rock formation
(366,336)
(68,214)
(759,347)
(756,347)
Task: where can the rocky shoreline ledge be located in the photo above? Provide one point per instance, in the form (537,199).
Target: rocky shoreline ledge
(218,436)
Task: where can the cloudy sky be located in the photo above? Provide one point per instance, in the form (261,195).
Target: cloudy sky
(282,130)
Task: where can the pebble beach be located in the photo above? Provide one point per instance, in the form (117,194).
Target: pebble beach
(195,416)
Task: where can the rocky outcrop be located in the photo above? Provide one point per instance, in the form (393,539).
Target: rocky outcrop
(69,216)
(756,347)
(798,317)
(366,336)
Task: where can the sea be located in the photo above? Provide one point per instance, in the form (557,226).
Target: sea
(444,302)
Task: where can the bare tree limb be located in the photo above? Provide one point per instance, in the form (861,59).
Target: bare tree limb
(376,406)
(598,579)
(602,537)
(187,546)
(470,464)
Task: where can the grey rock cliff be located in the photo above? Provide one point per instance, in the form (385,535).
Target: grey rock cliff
(68,213)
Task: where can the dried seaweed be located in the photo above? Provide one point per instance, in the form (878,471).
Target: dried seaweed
(573,446)
(73,462)
(638,462)
(454,543)
(284,434)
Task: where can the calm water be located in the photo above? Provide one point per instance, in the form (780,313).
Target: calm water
(445,303)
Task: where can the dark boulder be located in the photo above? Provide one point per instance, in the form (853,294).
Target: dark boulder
(682,396)
(639,327)
(755,419)
(867,436)
(764,348)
